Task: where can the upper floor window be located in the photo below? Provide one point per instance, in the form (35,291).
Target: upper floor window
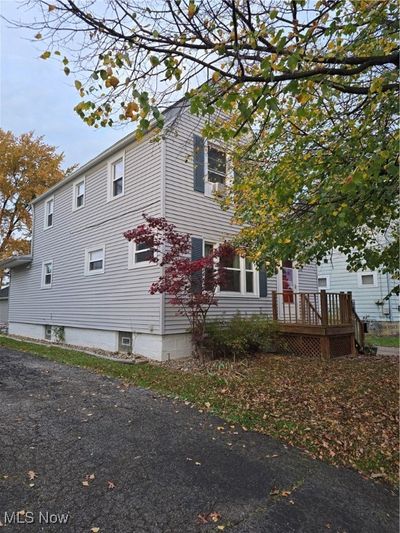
(47,274)
(49,213)
(116,177)
(216,164)
(240,276)
(79,194)
(94,260)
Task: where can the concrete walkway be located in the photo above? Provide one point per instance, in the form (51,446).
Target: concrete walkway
(126,460)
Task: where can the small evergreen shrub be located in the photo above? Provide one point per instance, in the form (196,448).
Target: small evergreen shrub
(240,335)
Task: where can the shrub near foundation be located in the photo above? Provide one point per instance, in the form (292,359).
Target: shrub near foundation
(240,335)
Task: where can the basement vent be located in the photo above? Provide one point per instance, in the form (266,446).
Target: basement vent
(47,333)
(125,342)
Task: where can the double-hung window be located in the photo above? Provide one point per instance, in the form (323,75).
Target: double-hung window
(239,276)
(47,274)
(79,194)
(139,254)
(216,164)
(94,260)
(116,177)
(49,213)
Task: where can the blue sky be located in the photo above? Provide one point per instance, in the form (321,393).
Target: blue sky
(35,95)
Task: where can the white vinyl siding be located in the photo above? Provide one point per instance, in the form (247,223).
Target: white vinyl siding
(49,213)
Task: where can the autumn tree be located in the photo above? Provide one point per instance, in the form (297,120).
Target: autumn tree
(28,167)
(311,88)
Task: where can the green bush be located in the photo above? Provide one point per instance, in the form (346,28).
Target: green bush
(240,335)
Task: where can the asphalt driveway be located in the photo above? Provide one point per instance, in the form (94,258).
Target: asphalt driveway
(127,460)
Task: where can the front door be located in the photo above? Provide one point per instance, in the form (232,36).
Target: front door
(288,281)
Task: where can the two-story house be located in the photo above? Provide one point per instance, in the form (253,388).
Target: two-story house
(85,280)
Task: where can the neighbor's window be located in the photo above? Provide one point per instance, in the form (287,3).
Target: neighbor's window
(367,280)
(216,164)
(79,194)
(249,276)
(117,178)
(48,213)
(47,274)
(323,282)
(95,261)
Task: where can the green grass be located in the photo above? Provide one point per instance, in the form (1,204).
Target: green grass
(341,411)
(376,340)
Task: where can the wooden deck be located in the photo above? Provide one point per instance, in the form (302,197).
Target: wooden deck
(318,324)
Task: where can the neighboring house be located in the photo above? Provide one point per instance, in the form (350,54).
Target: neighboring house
(84,277)
(4,305)
(369,289)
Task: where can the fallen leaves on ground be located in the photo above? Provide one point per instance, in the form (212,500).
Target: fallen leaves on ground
(205,518)
(31,475)
(343,410)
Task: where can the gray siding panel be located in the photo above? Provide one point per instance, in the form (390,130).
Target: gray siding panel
(117,299)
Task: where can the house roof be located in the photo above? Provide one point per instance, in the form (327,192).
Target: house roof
(15,261)
(4,293)
(108,152)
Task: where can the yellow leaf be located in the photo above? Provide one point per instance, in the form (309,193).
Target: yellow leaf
(192,10)
(95,530)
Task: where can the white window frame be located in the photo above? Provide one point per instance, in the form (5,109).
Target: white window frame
(88,251)
(242,263)
(328,282)
(209,145)
(367,273)
(131,257)
(110,179)
(44,285)
(77,182)
(46,213)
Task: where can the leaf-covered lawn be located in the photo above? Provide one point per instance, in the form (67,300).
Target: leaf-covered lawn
(375,340)
(344,411)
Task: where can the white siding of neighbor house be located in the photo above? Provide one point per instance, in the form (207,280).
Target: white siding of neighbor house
(201,216)
(119,298)
(365,296)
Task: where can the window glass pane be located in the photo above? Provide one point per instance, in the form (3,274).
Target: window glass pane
(249,282)
(322,283)
(249,265)
(50,219)
(231,262)
(231,281)
(367,279)
(96,255)
(79,201)
(118,169)
(50,204)
(146,255)
(96,265)
(117,187)
(142,246)
(208,249)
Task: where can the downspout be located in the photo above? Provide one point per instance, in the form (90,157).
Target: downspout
(389,299)
(162,212)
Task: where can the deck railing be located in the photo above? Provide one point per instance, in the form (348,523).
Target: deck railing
(313,308)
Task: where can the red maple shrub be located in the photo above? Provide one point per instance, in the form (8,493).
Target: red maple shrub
(191,283)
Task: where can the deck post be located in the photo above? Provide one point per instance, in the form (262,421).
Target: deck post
(344,310)
(274,306)
(324,308)
(350,306)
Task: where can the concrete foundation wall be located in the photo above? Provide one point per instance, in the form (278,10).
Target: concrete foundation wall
(153,346)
